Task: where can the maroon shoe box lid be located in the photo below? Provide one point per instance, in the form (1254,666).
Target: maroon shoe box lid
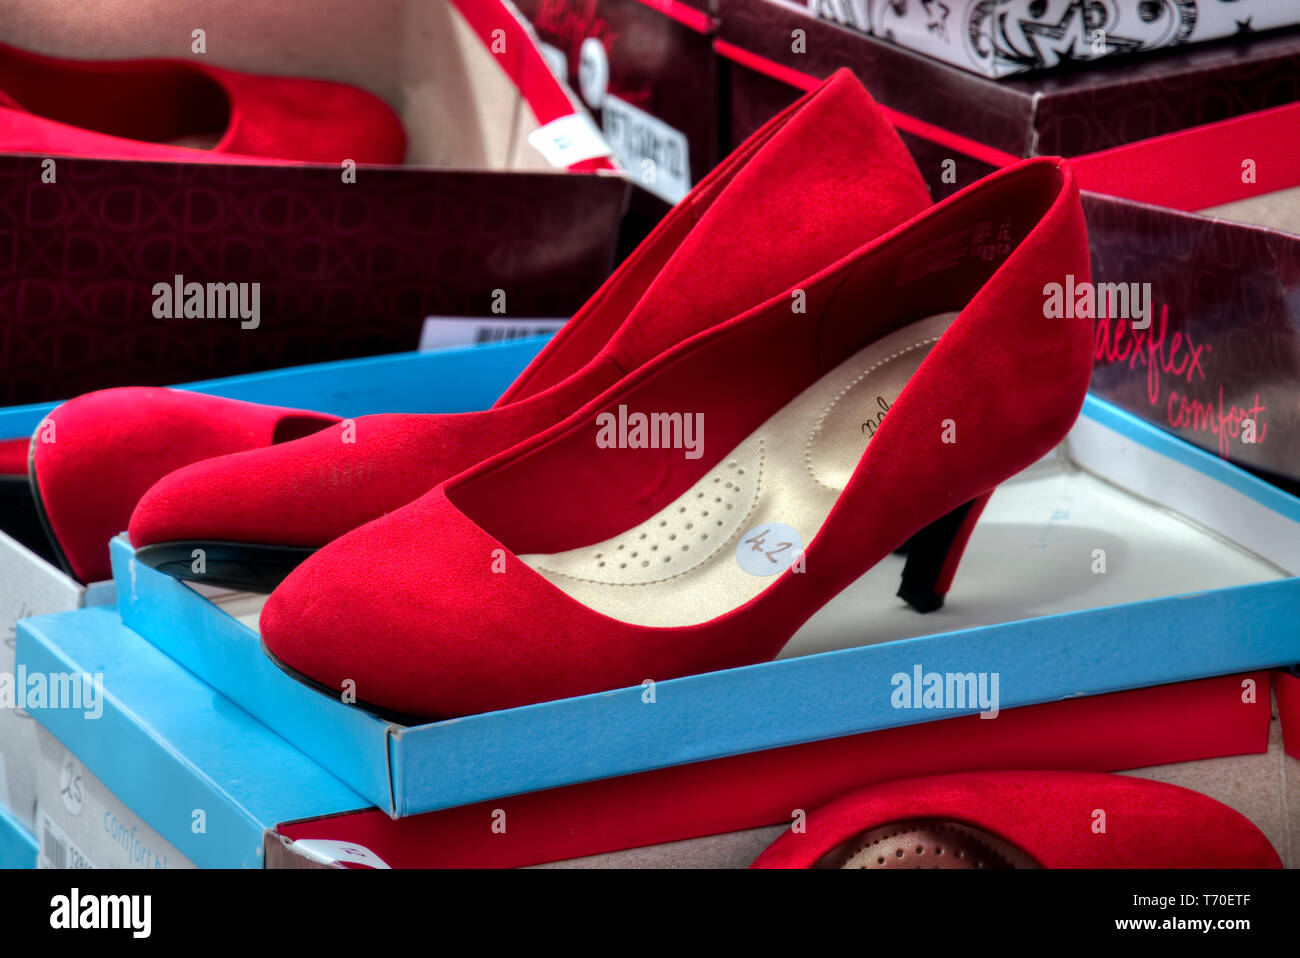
(1064,112)
(344,271)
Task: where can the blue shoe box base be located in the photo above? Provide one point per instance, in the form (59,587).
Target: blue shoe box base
(1139,560)
(196,768)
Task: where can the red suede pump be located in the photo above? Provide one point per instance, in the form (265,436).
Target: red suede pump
(574,564)
(186,110)
(94,456)
(1032,819)
(817,181)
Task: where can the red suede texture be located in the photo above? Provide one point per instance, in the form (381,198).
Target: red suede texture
(1179,723)
(131,109)
(816,182)
(13,456)
(409,608)
(110,446)
(1049,815)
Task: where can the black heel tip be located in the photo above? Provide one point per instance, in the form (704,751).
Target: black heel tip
(921,600)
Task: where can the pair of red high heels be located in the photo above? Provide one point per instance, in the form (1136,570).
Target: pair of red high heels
(694,465)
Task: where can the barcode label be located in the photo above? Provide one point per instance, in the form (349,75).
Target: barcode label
(57,850)
(500,334)
(444,332)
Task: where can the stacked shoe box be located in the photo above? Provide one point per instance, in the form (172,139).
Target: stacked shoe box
(62,797)
(478,214)
(506,785)
(338,249)
(1128,579)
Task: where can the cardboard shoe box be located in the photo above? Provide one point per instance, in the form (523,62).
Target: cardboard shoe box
(1007,37)
(1074,583)
(453,380)
(1215,736)
(486,211)
(80,823)
(153,769)
(163,772)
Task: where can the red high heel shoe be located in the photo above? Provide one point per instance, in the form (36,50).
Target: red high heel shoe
(93,457)
(186,110)
(817,181)
(1023,820)
(696,514)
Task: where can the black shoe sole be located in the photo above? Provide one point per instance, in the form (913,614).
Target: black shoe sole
(244,566)
(387,715)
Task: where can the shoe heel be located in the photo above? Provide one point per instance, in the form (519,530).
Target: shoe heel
(933,554)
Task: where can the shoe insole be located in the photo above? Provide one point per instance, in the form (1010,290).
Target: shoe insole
(748,519)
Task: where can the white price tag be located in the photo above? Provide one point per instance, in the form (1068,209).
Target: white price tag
(568,140)
(331,852)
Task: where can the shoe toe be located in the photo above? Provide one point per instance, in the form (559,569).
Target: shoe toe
(423,613)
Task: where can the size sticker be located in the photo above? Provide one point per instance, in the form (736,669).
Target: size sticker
(768,549)
(56,849)
(568,140)
(72,786)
